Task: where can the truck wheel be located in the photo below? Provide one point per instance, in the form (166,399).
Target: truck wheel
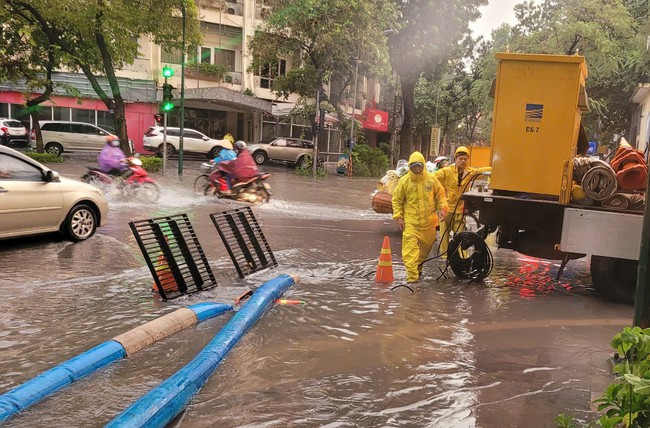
(614,279)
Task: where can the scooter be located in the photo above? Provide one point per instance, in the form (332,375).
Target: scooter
(254,190)
(135,184)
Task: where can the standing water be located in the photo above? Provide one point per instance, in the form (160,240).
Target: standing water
(514,350)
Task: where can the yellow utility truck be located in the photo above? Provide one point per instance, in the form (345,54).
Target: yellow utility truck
(536,131)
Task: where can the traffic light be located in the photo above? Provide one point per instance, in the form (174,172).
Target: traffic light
(167,71)
(159,118)
(167,97)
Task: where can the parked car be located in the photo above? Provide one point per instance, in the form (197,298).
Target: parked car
(283,149)
(34,200)
(13,133)
(193,142)
(61,136)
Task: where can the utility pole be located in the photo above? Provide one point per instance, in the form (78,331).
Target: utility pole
(182,112)
(314,161)
(354,107)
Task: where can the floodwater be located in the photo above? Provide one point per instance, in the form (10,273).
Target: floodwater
(515,350)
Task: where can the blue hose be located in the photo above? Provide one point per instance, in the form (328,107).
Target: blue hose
(39,387)
(162,404)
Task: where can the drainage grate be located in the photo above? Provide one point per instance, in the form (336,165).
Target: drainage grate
(174,255)
(244,240)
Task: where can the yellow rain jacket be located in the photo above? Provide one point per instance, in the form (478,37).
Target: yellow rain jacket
(417,199)
(448,177)
(454,222)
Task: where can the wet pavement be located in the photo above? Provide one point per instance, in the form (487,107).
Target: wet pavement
(515,350)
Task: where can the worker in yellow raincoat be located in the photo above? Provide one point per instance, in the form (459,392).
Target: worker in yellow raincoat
(456,180)
(416,201)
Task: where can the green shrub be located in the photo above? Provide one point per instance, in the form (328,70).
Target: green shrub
(626,402)
(368,161)
(307,170)
(44,157)
(215,70)
(151,163)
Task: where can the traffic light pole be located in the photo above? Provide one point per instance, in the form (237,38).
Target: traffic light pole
(164,144)
(182,112)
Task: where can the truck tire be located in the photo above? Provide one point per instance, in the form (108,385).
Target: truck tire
(614,279)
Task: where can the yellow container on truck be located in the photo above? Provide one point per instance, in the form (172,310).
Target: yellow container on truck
(537,105)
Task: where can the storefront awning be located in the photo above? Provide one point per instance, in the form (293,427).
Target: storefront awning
(227,98)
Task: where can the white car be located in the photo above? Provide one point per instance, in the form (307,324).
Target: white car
(13,133)
(35,200)
(193,142)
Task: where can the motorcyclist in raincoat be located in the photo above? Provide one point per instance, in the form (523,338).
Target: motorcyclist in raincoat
(111,158)
(416,201)
(456,180)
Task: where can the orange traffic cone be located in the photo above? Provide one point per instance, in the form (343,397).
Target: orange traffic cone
(385,265)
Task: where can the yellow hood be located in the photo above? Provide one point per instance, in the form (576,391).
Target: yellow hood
(417,157)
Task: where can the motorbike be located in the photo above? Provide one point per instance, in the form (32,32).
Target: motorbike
(254,190)
(135,184)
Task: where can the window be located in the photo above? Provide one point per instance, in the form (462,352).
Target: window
(173,133)
(4,110)
(281,142)
(104,119)
(192,134)
(294,143)
(171,56)
(12,123)
(271,71)
(12,168)
(61,113)
(86,116)
(91,130)
(206,55)
(225,57)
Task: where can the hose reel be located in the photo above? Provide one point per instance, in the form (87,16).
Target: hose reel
(469,256)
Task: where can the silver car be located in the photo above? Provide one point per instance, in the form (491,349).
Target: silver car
(62,136)
(35,200)
(283,149)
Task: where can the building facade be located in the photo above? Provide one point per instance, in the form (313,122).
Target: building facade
(239,102)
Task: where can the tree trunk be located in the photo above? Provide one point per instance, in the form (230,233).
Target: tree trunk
(33,102)
(119,113)
(406,133)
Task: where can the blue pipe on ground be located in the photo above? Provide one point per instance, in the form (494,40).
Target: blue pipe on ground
(162,404)
(37,388)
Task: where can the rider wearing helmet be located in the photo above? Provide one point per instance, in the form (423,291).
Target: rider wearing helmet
(243,167)
(111,158)
(440,162)
(224,154)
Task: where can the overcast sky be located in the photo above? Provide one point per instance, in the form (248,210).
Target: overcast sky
(493,15)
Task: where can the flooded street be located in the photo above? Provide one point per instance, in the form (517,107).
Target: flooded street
(515,350)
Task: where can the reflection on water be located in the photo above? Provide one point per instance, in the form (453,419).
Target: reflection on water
(516,348)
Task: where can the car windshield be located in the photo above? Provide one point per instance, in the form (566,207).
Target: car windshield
(13,124)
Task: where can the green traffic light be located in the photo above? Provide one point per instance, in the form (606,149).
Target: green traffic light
(167,71)
(168,106)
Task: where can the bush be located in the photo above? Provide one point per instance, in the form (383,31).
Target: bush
(626,402)
(151,163)
(368,161)
(44,157)
(307,170)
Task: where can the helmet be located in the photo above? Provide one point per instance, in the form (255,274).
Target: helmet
(462,150)
(240,145)
(440,159)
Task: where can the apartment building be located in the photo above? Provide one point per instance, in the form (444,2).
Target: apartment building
(239,102)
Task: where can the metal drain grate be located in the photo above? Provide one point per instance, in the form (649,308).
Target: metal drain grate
(174,255)
(244,240)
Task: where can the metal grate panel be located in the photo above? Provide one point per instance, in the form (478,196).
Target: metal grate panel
(244,240)
(174,255)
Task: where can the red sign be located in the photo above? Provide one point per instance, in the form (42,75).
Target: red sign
(377,120)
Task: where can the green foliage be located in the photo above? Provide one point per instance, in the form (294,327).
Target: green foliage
(214,70)
(626,402)
(368,161)
(44,157)
(248,92)
(308,171)
(151,163)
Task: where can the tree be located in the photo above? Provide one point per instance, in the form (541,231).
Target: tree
(99,37)
(325,39)
(607,35)
(429,32)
